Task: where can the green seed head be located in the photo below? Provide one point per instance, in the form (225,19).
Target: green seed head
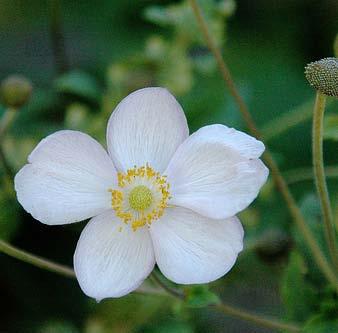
(140,198)
(15,91)
(323,76)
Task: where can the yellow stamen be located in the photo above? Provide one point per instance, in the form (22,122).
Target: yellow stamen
(142,204)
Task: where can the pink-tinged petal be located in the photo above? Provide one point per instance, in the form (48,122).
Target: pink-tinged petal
(212,176)
(67,179)
(146,127)
(192,249)
(112,260)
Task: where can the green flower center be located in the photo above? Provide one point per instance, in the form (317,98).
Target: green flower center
(140,198)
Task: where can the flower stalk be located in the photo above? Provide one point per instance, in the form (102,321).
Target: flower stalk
(69,272)
(6,122)
(35,260)
(319,175)
(275,172)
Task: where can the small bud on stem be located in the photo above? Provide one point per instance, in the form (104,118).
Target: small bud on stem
(15,91)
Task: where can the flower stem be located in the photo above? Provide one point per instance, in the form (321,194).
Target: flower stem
(256,319)
(232,311)
(35,260)
(63,270)
(304,174)
(68,272)
(286,121)
(56,35)
(319,173)
(275,172)
(6,122)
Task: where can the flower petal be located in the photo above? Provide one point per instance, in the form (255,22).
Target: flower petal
(110,259)
(190,248)
(212,176)
(146,127)
(67,179)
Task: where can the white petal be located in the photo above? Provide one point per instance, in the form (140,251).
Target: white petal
(67,179)
(242,143)
(110,259)
(146,127)
(210,176)
(190,248)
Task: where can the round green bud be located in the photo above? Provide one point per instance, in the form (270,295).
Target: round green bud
(15,91)
(323,76)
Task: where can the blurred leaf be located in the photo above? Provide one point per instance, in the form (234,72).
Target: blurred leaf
(200,296)
(320,324)
(125,314)
(331,127)
(182,19)
(171,326)
(80,84)
(310,208)
(57,327)
(299,296)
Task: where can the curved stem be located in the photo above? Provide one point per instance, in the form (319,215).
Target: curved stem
(171,291)
(319,173)
(35,260)
(53,267)
(69,272)
(256,319)
(294,117)
(233,311)
(275,173)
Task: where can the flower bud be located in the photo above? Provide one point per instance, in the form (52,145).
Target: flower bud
(15,91)
(323,75)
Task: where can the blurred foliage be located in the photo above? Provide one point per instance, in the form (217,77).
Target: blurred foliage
(115,47)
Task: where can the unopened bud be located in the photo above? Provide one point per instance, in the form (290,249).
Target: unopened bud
(15,91)
(323,75)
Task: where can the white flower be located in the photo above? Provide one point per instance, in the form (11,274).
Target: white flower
(159,195)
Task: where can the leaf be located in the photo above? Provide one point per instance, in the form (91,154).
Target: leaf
(200,296)
(299,296)
(79,83)
(331,127)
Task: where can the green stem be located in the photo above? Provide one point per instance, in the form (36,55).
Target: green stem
(53,267)
(275,172)
(68,272)
(290,119)
(233,311)
(57,38)
(303,174)
(256,319)
(319,173)
(35,260)
(6,122)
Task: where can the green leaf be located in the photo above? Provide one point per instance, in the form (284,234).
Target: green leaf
(321,324)
(299,296)
(80,84)
(200,296)
(331,127)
